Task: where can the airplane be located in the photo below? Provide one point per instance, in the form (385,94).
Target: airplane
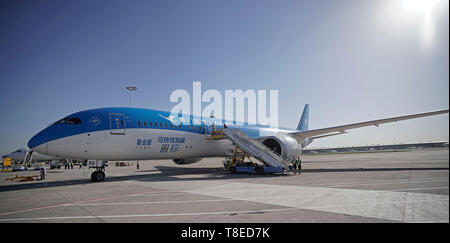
(144,134)
(19,156)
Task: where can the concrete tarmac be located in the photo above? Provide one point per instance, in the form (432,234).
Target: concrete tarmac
(408,186)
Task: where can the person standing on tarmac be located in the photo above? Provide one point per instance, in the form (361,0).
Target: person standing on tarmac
(299,165)
(295,166)
(42,173)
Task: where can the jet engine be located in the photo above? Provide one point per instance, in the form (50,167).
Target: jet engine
(186,161)
(284,145)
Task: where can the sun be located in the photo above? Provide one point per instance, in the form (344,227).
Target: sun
(424,10)
(423,6)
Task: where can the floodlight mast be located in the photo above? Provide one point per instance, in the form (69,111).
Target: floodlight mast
(131,89)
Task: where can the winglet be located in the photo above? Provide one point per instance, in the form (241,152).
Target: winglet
(303,123)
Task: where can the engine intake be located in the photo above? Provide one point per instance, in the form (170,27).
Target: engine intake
(283,145)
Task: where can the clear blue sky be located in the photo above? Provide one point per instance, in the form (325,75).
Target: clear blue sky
(351,60)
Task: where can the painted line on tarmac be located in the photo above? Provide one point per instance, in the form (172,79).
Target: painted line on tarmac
(177,192)
(254,188)
(419,189)
(160,194)
(248,188)
(396,206)
(157,202)
(375,183)
(86,201)
(149,215)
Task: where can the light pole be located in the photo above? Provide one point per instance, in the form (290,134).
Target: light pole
(131,89)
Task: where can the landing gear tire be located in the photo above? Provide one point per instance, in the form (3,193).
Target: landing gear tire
(98,176)
(233,170)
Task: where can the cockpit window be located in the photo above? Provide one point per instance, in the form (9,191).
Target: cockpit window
(69,121)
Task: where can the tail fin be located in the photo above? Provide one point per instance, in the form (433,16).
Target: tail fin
(303,123)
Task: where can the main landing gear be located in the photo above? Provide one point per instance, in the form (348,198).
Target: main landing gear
(99,166)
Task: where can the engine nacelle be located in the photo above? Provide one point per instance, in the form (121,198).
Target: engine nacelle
(284,145)
(186,161)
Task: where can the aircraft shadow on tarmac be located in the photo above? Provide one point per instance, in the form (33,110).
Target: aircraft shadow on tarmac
(170,174)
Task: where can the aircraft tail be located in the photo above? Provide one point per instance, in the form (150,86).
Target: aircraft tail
(303,123)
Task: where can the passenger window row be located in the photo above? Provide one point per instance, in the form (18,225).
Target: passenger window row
(165,125)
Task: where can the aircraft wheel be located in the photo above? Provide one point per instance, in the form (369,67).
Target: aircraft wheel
(233,170)
(98,176)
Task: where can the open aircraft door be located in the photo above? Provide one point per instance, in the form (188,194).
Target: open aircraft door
(117,123)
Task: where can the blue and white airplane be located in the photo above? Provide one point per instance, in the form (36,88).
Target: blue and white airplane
(145,134)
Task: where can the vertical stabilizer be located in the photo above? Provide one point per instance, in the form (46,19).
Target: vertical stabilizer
(303,123)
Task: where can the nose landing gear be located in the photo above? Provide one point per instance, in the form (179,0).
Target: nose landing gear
(98,175)
(99,166)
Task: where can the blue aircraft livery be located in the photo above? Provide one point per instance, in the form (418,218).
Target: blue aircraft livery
(146,134)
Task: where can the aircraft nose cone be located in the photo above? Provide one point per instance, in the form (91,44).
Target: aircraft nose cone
(38,139)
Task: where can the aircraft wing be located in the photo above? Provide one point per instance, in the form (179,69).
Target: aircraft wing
(330,131)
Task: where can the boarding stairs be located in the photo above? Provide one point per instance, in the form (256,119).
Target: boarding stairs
(28,157)
(256,149)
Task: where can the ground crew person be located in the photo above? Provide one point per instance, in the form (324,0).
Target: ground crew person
(294,166)
(137,165)
(42,173)
(299,165)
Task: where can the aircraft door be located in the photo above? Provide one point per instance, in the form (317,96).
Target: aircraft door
(117,123)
